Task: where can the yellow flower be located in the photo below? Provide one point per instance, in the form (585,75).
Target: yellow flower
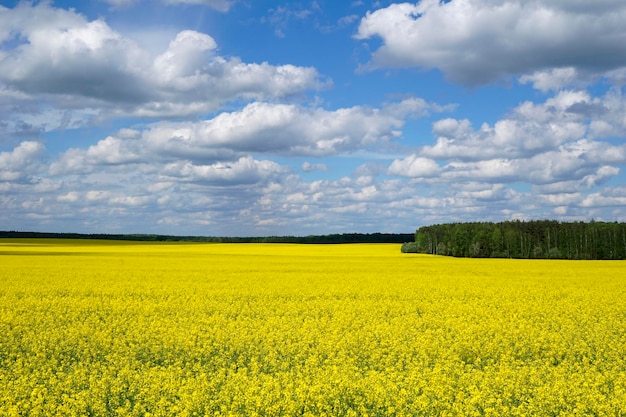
(128,329)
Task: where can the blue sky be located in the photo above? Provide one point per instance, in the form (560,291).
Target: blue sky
(238,117)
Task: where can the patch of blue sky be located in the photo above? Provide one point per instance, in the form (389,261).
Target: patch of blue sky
(230,97)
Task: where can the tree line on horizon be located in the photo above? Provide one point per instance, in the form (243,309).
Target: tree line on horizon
(311,239)
(537,239)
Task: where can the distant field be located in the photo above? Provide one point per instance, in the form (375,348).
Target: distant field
(107,328)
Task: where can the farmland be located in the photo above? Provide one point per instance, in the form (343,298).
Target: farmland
(134,329)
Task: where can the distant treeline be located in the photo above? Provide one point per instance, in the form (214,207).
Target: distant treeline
(333,238)
(540,239)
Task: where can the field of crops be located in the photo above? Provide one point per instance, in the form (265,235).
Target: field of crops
(139,329)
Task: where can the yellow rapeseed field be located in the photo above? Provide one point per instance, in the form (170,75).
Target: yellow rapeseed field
(94,328)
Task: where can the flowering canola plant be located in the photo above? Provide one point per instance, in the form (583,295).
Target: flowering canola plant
(98,328)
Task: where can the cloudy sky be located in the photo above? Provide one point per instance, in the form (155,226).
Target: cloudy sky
(247,118)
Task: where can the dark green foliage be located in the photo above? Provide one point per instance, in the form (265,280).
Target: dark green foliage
(539,239)
(409,247)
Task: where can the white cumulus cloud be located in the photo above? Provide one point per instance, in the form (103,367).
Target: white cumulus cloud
(22,162)
(414,166)
(286,129)
(480,41)
(245,170)
(75,63)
